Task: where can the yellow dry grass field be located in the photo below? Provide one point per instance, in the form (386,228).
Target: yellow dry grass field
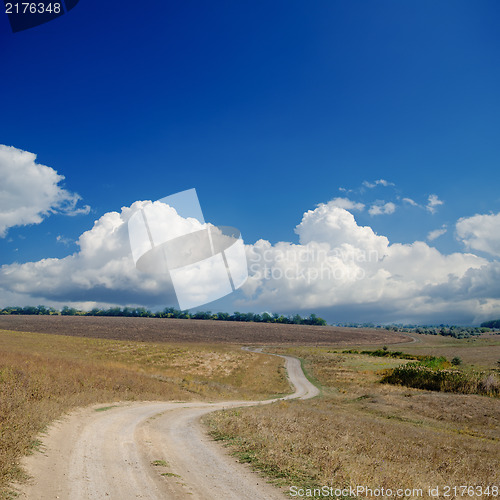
(364,433)
(42,376)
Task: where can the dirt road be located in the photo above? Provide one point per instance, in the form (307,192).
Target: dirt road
(148,450)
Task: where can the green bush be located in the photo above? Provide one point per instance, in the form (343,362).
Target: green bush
(430,361)
(424,377)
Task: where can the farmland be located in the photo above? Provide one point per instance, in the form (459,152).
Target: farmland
(182,330)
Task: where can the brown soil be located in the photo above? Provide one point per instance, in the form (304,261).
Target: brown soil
(184,330)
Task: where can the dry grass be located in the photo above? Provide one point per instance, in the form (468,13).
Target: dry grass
(366,433)
(212,371)
(42,376)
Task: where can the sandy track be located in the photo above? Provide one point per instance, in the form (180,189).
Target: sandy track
(91,455)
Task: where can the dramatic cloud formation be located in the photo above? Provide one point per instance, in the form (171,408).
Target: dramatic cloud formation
(481,232)
(30,191)
(347,271)
(102,271)
(338,268)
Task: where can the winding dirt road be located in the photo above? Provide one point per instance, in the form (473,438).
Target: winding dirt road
(148,450)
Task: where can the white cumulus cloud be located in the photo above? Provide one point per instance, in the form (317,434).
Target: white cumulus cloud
(30,191)
(480,232)
(103,270)
(343,269)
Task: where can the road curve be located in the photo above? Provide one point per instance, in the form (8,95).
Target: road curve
(148,450)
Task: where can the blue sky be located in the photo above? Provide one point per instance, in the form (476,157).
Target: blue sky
(268,109)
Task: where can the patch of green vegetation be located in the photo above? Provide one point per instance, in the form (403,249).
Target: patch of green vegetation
(9,495)
(170,474)
(105,408)
(314,381)
(385,353)
(34,446)
(404,419)
(434,363)
(159,463)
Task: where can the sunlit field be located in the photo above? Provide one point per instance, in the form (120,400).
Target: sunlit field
(42,376)
(363,432)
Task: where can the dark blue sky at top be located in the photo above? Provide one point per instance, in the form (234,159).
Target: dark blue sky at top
(265,107)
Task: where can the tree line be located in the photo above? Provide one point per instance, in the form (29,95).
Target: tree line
(169,312)
(458,332)
(494,323)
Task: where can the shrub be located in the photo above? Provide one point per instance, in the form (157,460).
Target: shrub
(423,377)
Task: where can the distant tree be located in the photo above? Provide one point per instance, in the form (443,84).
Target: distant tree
(201,315)
(68,311)
(495,323)
(314,320)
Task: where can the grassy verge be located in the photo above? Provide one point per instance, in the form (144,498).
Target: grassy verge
(304,364)
(367,433)
(482,352)
(436,373)
(42,376)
